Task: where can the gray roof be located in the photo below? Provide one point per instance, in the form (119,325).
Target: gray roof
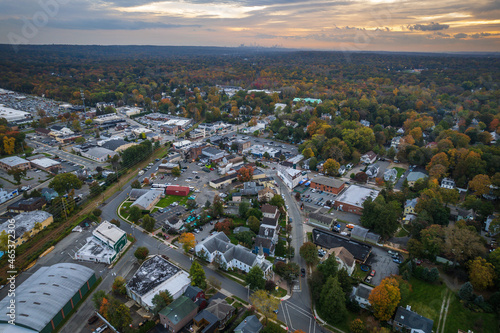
(220,308)
(26,221)
(266,231)
(13,161)
(363,291)
(192,291)
(251,324)
(413,320)
(99,152)
(145,200)
(322,218)
(327,181)
(240,253)
(211,151)
(210,318)
(43,294)
(114,144)
(137,192)
(152,273)
(221,243)
(269,221)
(329,240)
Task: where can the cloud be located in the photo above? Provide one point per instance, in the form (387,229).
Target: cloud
(442,34)
(115,24)
(428,27)
(481,35)
(460,35)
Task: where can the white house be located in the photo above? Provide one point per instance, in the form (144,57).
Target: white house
(219,249)
(448,183)
(372,170)
(369,158)
(291,177)
(361,294)
(390,175)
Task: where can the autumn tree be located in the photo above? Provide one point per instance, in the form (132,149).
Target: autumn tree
(385,298)
(118,286)
(480,184)
(308,153)
(481,273)
(245,174)
(141,253)
(187,240)
(136,184)
(433,239)
(197,275)
(309,253)
(265,304)
(462,244)
(357,326)
(331,167)
(9,145)
(225,226)
(76,125)
(161,300)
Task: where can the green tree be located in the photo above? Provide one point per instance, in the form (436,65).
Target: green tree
(217,206)
(76,125)
(243,209)
(255,212)
(148,223)
(466,292)
(65,182)
(255,278)
(135,214)
(141,253)
(97,298)
(308,153)
(136,184)
(118,315)
(265,304)
(309,253)
(197,275)
(381,216)
(246,238)
(17,174)
(176,171)
(161,300)
(253,223)
(277,200)
(332,301)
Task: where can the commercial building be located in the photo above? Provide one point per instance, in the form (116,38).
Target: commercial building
(116,145)
(45,299)
(148,200)
(291,177)
(27,224)
(223,181)
(46,164)
(353,198)
(329,240)
(167,167)
(13,162)
(99,154)
(327,184)
(109,234)
(156,274)
(213,154)
(13,115)
(177,190)
(7,195)
(26,205)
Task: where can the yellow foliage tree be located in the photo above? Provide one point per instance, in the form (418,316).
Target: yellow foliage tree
(481,273)
(385,298)
(187,240)
(8,145)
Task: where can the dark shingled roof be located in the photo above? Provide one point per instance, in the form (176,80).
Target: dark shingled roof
(413,320)
(330,240)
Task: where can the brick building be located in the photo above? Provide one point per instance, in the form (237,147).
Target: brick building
(327,184)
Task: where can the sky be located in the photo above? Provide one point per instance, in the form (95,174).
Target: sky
(345,25)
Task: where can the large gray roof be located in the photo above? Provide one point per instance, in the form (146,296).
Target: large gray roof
(221,243)
(152,273)
(13,161)
(42,295)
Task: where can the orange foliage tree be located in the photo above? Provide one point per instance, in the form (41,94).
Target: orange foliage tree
(187,240)
(245,174)
(385,298)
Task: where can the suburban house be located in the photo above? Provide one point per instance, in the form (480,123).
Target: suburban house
(369,158)
(372,170)
(406,320)
(410,206)
(361,294)
(219,249)
(343,257)
(390,175)
(448,183)
(154,275)
(327,184)
(250,324)
(49,194)
(196,295)
(414,176)
(222,310)
(205,322)
(178,314)
(266,194)
(270,211)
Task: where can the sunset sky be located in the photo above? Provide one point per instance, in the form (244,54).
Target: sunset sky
(357,25)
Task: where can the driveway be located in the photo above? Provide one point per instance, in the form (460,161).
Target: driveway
(382,263)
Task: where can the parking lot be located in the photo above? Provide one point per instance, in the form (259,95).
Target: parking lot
(311,197)
(382,262)
(169,213)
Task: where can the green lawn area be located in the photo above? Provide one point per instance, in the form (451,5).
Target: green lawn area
(402,233)
(358,273)
(426,299)
(460,317)
(165,202)
(400,171)
(239,222)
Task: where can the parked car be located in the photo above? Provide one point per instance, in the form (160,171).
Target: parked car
(92,319)
(368,279)
(372,273)
(303,272)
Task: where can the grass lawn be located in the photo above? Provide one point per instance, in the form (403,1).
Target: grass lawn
(426,299)
(279,293)
(402,233)
(400,171)
(239,222)
(459,317)
(358,273)
(168,200)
